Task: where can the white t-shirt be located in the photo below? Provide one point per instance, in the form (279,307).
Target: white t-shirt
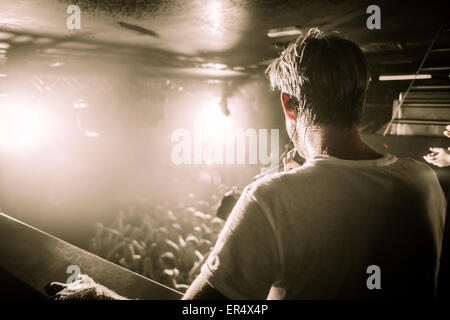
(312,233)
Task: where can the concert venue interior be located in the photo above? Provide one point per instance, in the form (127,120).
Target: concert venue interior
(116,120)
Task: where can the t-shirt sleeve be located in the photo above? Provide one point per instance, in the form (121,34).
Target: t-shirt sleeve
(245,260)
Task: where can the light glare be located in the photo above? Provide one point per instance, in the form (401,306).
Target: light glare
(20,127)
(405,77)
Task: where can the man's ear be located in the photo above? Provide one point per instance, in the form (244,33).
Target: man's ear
(288,106)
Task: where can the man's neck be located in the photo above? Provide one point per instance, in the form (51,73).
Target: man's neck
(343,144)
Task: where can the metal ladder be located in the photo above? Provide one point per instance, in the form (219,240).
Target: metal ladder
(424,109)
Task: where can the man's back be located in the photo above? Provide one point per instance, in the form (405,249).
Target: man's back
(330,220)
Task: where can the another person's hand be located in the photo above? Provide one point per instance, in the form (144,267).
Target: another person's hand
(439,156)
(447,131)
(84,288)
(289,162)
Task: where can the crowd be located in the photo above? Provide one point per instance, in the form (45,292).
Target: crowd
(166,244)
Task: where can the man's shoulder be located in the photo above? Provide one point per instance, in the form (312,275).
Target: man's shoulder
(273,183)
(411,161)
(422,174)
(415,166)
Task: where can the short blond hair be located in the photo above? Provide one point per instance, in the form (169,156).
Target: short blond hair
(327,76)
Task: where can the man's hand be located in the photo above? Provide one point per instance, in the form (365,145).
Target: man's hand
(289,162)
(439,156)
(83,289)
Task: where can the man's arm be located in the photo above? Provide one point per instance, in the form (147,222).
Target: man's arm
(201,290)
(245,260)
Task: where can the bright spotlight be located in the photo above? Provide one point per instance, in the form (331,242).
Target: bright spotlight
(21,127)
(214,122)
(215,16)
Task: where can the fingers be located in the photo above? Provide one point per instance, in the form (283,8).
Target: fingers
(438,154)
(285,163)
(434,149)
(290,155)
(288,161)
(440,164)
(447,131)
(431,161)
(436,161)
(84,278)
(54,287)
(428,159)
(432,155)
(289,165)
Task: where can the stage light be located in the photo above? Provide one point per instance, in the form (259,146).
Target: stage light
(21,128)
(284,32)
(404,77)
(215,66)
(56,64)
(215,124)
(214,16)
(91,134)
(80,103)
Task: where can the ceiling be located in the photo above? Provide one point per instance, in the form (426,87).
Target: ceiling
(218,37)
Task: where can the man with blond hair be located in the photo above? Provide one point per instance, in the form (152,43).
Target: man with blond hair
(350,223)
